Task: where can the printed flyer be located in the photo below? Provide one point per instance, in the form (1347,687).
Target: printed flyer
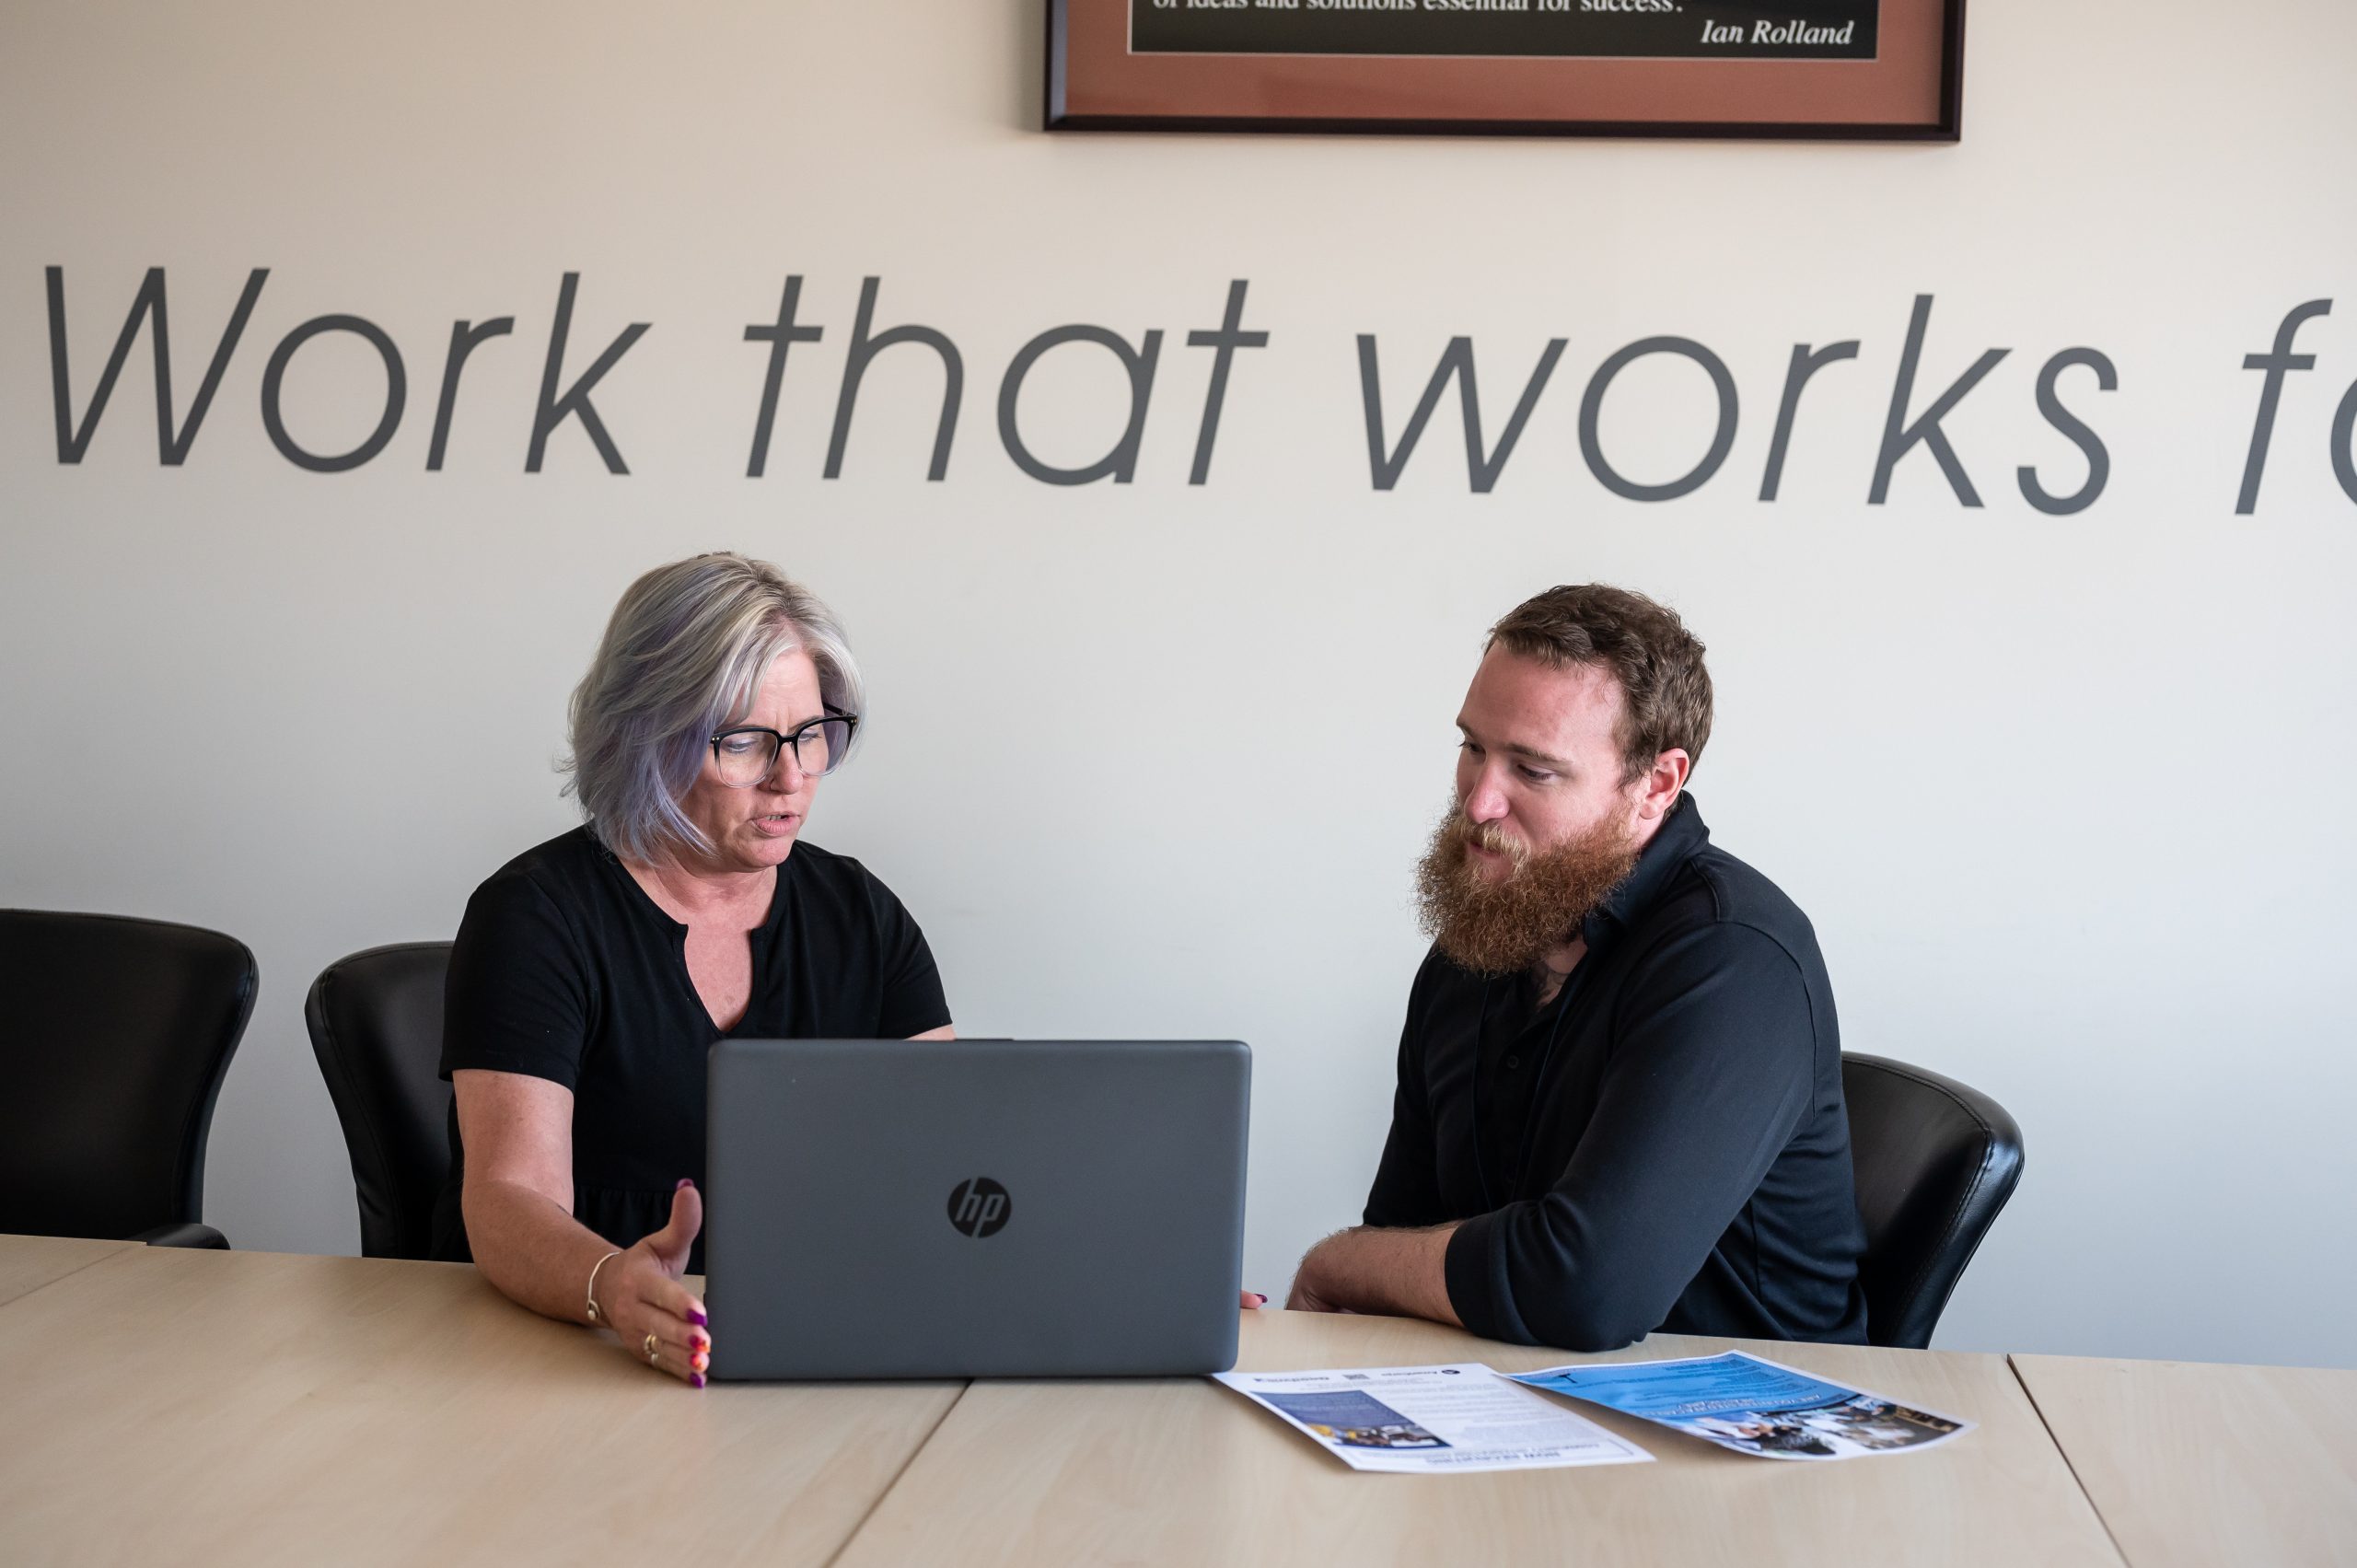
(1753,1406)
(1432,1419)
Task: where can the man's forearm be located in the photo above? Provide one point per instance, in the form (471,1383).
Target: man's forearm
(1398,1273)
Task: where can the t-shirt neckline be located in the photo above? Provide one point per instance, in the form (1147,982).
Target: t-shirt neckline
(646,900)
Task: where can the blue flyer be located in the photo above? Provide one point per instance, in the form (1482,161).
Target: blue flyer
(1753,1406)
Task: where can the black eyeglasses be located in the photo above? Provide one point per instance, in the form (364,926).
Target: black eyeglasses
(749,753)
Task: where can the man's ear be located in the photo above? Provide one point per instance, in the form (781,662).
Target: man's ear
(1658,790)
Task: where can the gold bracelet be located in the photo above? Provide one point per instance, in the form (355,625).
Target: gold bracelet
(595,1316)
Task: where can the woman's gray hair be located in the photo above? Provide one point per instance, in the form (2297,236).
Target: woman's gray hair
(687,647)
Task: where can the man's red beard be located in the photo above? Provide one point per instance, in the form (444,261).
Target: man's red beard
(1503,925)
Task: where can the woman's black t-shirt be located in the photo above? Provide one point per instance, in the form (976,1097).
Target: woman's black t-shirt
(565,970)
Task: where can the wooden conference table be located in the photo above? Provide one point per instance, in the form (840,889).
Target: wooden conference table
(165,1405)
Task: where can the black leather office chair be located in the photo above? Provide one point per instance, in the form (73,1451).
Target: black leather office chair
(1936,1161)
(375,1022)
(118,1034)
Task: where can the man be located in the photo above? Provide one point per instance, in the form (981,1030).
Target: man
(1620,1100)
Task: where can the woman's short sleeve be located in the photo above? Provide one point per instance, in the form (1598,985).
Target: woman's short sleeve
(518,999)
(912,1002)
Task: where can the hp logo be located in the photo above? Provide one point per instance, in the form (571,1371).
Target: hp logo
(979,1207)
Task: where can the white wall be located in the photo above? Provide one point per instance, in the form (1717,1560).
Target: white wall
(2064,795)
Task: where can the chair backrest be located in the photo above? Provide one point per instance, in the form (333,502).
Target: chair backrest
(375,1022)
(118,1034)
(1935,1161)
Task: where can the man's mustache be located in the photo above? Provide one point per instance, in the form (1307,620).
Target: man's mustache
(1488,836)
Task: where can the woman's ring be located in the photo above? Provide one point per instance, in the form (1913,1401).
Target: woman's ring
(651,1349)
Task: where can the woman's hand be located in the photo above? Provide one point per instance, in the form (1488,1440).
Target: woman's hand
(640,1294)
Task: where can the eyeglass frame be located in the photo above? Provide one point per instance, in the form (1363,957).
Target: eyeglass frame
(785,740)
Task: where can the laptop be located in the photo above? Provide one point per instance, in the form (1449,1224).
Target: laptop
(974,1208)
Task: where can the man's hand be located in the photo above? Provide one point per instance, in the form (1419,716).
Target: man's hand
(1398,1273)
(1306,1295)
(1304,1299)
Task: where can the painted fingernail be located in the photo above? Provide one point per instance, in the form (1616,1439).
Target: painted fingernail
(701,1364)
(685,1182)
(696,1316)
(1259,1297)
(695,1380)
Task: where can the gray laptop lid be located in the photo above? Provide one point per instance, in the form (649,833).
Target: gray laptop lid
(974,1208)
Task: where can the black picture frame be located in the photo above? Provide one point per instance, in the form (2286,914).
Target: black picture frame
(1087,91)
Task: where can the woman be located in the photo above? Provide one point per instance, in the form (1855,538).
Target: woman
(591,974)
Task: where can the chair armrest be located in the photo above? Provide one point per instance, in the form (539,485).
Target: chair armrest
(183,1236)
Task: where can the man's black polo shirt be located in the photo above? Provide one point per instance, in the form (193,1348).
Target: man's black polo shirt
(1664,1146)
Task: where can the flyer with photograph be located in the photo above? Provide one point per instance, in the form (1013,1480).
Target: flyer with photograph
(1432,1419)
(1753,1406)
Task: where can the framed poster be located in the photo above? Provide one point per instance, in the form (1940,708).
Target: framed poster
(1851,69)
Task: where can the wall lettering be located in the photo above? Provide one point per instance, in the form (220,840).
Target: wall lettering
(1910,422)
